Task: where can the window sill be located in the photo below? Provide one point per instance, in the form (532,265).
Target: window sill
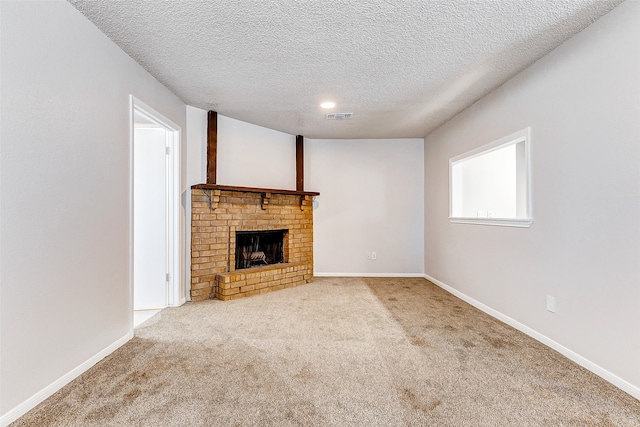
(501,222)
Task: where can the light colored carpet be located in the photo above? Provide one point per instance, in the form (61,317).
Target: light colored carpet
(336,352)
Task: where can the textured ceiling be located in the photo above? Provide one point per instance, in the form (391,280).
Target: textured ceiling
(401,67)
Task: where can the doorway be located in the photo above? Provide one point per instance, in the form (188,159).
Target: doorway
(154,238)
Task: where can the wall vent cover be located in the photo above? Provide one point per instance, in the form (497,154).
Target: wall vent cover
(339,116)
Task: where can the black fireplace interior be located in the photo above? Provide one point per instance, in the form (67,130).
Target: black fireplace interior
(256,248)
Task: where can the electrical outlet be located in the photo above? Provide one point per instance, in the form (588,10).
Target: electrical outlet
(369,255)
(373,255)
(551,304)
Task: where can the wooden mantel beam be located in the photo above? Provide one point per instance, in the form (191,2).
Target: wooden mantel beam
(212,146)
(299,163)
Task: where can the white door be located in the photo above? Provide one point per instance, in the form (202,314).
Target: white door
(150,219)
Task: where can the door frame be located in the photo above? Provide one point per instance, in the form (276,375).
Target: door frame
(174,264)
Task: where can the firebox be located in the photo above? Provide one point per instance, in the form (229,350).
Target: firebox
(256,248)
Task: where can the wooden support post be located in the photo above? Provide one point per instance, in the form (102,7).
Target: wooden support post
(299,163)
(212,146)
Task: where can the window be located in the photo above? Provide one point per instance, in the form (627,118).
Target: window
(491,184)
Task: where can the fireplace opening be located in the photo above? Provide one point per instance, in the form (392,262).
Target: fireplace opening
(256,248)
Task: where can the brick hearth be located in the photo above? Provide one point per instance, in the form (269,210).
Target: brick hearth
(217,212)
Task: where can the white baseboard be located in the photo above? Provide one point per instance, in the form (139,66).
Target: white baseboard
(317,274)
(43,394)
(580,360)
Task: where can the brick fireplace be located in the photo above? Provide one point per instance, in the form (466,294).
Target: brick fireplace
(219,214)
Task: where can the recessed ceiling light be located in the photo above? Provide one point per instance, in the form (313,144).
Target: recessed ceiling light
(328,104)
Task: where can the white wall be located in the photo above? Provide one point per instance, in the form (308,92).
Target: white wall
(65,195)
(582,102)
(196,146)
(254,156)
(371,200)
(248,155)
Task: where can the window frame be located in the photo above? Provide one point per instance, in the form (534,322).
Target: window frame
(523,135)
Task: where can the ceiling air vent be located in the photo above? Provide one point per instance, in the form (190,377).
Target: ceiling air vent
(339,116)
